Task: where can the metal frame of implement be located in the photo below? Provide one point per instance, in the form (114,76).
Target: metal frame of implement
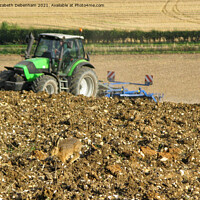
(110,91)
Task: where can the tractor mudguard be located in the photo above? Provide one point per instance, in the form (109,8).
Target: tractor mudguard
(77,65)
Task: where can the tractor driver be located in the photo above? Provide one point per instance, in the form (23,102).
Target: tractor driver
(67,52)
(67,48)
(58,49)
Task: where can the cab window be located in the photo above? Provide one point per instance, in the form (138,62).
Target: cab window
(81,49)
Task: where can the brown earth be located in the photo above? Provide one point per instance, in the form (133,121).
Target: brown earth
(132,149)
(175,75)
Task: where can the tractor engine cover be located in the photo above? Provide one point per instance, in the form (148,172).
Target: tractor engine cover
(32,68)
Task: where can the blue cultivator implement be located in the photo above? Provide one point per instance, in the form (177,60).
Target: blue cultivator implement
(108,90)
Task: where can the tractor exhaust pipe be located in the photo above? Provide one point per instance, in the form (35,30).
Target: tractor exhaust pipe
(30,40)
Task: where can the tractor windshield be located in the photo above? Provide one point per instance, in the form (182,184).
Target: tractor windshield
(45,46)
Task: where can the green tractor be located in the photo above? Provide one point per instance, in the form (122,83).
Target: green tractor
(59,64)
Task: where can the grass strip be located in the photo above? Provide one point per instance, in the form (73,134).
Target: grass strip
(109,49)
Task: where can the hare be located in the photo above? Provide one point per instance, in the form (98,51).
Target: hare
(67,148)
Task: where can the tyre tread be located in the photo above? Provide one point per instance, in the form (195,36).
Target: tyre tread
(76,77)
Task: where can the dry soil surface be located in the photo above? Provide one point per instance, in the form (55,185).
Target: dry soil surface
(132,149)
(175,75)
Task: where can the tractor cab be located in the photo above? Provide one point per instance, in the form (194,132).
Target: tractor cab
(62,51)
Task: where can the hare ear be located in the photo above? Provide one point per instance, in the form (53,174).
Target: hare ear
(57,142)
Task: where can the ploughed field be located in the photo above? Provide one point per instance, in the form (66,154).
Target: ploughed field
(175,75)
(132,149)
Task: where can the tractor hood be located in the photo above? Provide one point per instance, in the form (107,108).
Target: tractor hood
(34,65)
(32,68)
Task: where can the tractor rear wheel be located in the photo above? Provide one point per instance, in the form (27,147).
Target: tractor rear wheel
(84,82)
(5,76)
(45,83)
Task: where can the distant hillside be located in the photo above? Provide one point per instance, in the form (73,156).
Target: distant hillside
(104,15)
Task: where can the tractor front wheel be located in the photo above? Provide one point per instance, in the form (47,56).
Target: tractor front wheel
(84,82)
(45,83)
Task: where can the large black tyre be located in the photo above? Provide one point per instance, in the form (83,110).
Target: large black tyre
(84,82)
(45,83)
(5,76)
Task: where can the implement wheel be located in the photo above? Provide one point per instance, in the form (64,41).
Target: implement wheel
(45,83)
(84,82)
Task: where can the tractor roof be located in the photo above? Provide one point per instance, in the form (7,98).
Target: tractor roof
(61,36)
